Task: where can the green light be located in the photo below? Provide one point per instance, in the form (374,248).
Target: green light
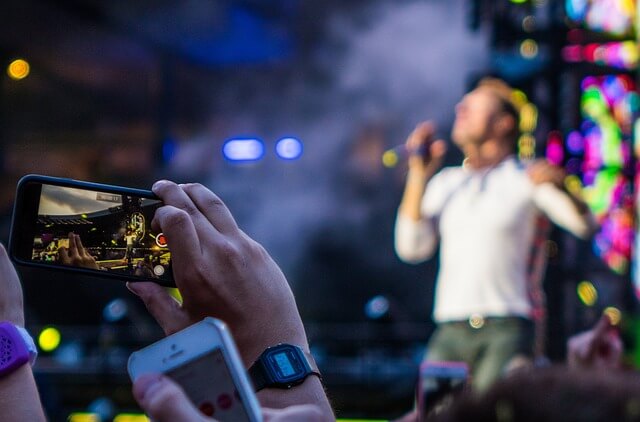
(49,339)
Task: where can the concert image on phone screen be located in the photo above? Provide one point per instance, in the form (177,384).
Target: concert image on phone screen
(101,231)
(207,382)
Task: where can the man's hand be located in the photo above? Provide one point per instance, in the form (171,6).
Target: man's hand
(426,154)
(220,272)
(541,171)
(598,348)
(164,400)
(77,255)
(11,303)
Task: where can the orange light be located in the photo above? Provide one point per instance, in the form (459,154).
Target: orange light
(18,69)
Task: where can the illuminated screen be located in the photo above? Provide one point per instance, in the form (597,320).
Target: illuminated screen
(208,383)
(100,231)
(284,364)
(611,16)
(599,158)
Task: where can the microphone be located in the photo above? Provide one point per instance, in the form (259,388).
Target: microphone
(392,156)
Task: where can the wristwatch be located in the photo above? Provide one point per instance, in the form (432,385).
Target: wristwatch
(16,348)
(282,366)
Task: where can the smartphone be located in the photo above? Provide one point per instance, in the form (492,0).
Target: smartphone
(97,229)
(438,385)
(204,361)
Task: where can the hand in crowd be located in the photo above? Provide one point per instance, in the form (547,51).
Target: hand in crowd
(426,154)
(598,348)
(76,255)
(223,273)
(164,400)
(220,272)
(541,171)
(19,399)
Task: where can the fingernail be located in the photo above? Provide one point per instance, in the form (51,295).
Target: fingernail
(159,183)
(132,288)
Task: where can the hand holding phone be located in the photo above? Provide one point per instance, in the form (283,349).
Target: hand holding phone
(203,360)
(95,229)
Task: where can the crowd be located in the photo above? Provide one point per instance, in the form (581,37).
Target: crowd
(484,216)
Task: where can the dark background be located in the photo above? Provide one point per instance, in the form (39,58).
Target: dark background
(128,92)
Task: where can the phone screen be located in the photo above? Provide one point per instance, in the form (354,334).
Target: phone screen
(98,230)
(438,385)
(208,383)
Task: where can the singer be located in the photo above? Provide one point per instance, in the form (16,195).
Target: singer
(484,215)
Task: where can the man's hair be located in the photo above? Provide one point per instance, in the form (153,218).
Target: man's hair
(508,102)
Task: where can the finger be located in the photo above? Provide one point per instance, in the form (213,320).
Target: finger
(438,148)
(79,245)
(162,306)
(602,327)
(163,400)
(174,195)
(181,234)
(422,134)
(63,255)
(73,248)
(212,207)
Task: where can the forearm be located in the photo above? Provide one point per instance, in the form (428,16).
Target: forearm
(414,189)
(19,399)
(566,210)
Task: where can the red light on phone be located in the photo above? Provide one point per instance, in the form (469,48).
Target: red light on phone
(161,240)
(207,408)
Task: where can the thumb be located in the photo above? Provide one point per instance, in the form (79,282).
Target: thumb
(163,400)
(161,305)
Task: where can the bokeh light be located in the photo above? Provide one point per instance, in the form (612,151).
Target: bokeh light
(243,150)
(18,69)
(390,158)
(587,293)
(614,314)
(529,49)
(49,339)
(289,148)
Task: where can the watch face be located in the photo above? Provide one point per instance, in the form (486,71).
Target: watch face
(285,364)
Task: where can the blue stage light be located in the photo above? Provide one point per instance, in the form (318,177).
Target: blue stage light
(245,149)
(289,148)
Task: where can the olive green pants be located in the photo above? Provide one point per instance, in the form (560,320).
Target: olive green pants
(488,350)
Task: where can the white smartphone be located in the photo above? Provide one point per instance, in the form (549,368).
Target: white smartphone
(204,361)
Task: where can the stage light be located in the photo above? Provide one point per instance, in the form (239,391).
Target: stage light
(614,314)
(289,148)
(131,417)
(243,149)
(169,149)
(115,310)
(529,49)
(587,293)
(18,69)
(83,417)
(377,307)
(529,23)
(49,339)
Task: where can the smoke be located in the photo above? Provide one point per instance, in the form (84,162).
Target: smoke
(382,68)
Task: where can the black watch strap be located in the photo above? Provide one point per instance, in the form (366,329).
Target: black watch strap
(263,378)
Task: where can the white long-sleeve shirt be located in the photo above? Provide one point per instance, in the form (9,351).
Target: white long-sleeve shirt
(485,222)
